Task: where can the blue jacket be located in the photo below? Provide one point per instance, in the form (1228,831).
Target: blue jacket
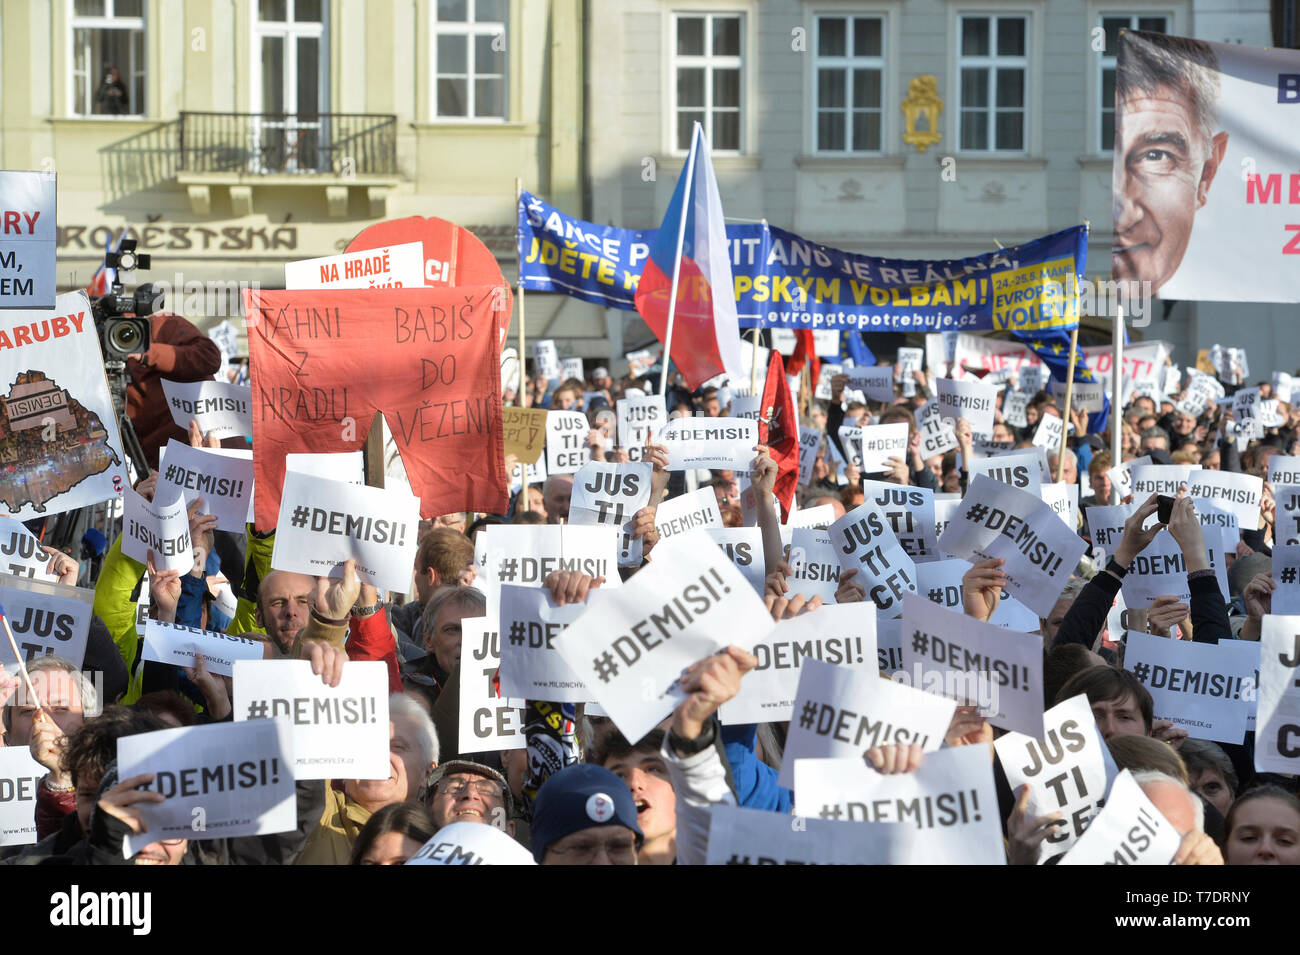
(755,781)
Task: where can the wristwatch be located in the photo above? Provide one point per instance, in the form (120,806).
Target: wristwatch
(367,611)
(689,747)
(1115,568)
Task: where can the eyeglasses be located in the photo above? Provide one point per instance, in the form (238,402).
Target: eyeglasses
(620,849)
(457,787)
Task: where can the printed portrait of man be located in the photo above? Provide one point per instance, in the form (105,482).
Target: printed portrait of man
(1168,148)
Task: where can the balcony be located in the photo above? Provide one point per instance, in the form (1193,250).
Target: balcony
(341,152)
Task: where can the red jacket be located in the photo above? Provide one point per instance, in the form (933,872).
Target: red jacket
(178,351)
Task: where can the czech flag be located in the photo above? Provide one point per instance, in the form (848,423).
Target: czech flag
(692,243)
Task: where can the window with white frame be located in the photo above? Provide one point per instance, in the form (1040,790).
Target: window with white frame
(1111,24)
(993,71)
(469,56)
(708,59)
(108,66)
(850,77)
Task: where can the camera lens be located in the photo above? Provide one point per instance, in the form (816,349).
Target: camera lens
(124,337)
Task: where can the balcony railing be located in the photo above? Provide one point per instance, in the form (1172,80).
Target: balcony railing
(263,144)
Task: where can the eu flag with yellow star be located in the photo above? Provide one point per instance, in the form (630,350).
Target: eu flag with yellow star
(1052,346)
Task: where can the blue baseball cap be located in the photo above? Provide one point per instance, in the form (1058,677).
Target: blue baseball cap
(581,797)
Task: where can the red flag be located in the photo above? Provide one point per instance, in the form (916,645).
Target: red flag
(805,350)
(778,428)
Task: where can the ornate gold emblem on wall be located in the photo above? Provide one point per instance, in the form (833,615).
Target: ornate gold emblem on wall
(922,102)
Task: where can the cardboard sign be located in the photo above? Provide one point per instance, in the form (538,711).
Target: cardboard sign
(815,562)
(876,382)
(844,711)
(547,359)
(687,604)
(219,407)
(950,802)
(225,483)
(395,266)
(220,780)
(531,665)
(910,513)
(471,843)
(178,645)
(323,523)
(611,494)
(937,434)
(28,240)
(1165,479)
(163,527)
(843,635)
(1068,770)
(865,542)
(1277,729)
(1050,431)
(710,443)
(759,837)
(880,442)
(1196,685)
(639,420)
(744,547)
(338,732)
(59,446)
(974,662)
(687,512)
(20,552)
(1129,831)
(566,441)
(1283,470)
(996,520)
(20,780)
(969,398)
(1018,469)
(488,722)
(1238,493)
(525,432)
(325,362)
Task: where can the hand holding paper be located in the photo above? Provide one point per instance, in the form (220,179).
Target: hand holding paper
(709,683)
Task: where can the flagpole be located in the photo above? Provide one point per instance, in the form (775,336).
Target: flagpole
(1069,389)
(519,395)
(1116,421)
(687,195)
(753,371)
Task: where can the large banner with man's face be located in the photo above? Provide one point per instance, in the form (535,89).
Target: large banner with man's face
(1207,170)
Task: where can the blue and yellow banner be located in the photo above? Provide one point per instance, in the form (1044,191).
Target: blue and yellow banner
(786,281)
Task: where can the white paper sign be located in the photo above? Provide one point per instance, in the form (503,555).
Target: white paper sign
(488,723)
(1238,493)
(1068,770)
(1121,476)
(810,441)
(975,663)
(20,780)
(881,442)
(471,843)
(744,547)
(547,359)
(531,665)
(338,732)
(877,382)
(177,645)
(687,604)
(393,266)
(1164,479)
(236,777)
(996,520)
(53,395)
(639,419)
(910,513)
(163,527)
(611,494)
(710,443)
(224,482)
(1286,575)
(969,398)
(843,635)
(937,434)
(1014,406)
(527,554)
(950,801)
(1283,470)
(759,837)
(865,542)
(346,466)
(1196,685)
(1050,430)
(851,440)
(1156,572)
(1129,831)
(1277,729)
(218,407)
(20,552)
(1018,469)
(687,512)
(27,240)
(322,523)
(566,441)
(815,563)
(1286,527)
(841,711)
(1063,499)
